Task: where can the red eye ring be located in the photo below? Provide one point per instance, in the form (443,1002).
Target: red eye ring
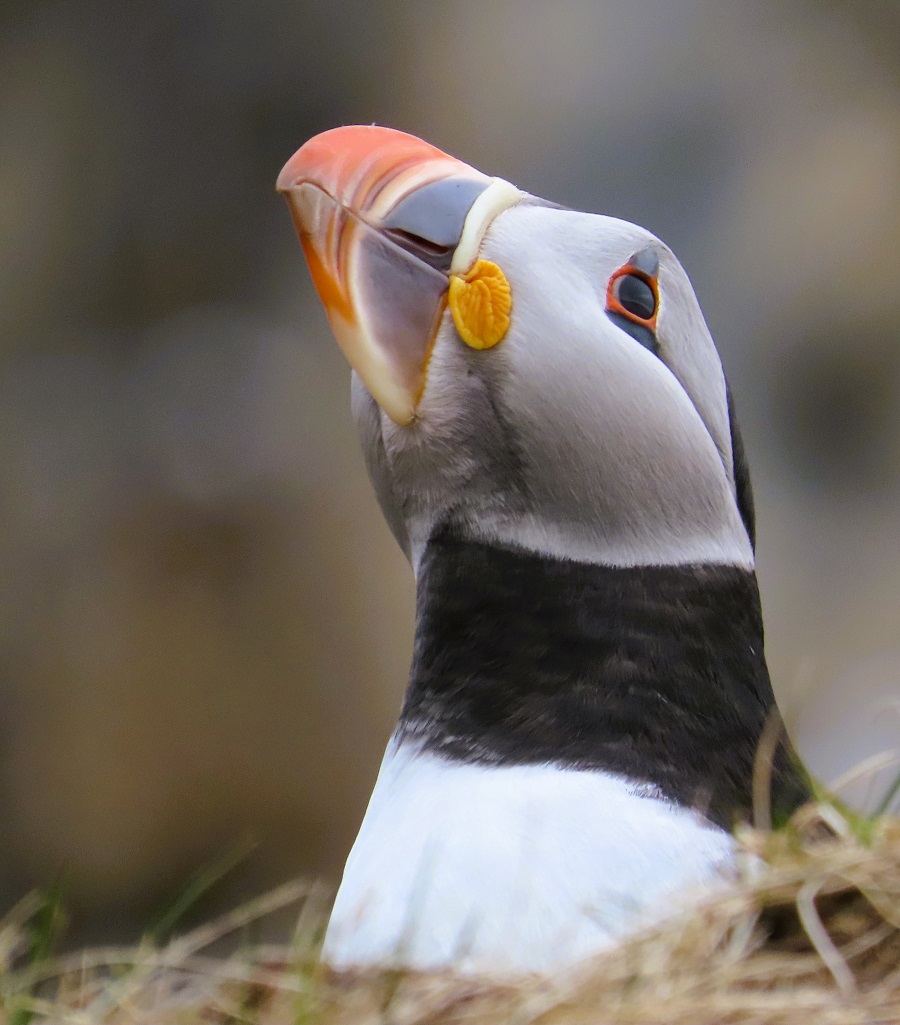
(614,305)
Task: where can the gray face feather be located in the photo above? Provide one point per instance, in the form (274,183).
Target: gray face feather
(568,438)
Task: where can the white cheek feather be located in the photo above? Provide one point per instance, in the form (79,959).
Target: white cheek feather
(510,869)
(618,465)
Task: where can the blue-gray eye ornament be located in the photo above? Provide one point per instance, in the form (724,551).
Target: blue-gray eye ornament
(632,298)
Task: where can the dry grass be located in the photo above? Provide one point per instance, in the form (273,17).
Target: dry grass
(809,934)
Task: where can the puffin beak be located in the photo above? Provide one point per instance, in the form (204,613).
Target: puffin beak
(384,218)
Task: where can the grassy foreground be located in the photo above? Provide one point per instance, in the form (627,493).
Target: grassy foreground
(808,934)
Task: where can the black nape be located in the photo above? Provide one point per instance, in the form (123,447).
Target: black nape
(742,486)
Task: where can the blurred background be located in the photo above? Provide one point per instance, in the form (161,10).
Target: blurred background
(204,624)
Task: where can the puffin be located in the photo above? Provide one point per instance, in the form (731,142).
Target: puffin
(551,438)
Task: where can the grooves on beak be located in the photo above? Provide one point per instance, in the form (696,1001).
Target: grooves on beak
(380,215)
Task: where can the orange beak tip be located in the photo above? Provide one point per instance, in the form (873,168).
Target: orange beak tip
(286,178)
(383,303)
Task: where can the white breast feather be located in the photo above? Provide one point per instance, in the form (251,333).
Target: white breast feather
(511,869)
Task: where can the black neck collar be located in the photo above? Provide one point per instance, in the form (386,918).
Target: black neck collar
(656,673)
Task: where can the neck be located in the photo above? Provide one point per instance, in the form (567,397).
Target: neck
(654,673)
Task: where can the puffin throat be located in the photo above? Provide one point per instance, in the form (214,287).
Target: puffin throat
(653,673)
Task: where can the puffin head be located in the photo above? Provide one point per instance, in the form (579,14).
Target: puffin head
(533,376)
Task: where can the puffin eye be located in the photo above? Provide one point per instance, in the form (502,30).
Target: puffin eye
(632,298)
(635,296)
